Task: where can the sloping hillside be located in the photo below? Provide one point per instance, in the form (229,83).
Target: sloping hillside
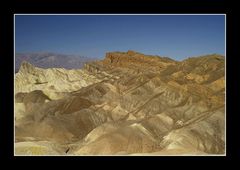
(126,104)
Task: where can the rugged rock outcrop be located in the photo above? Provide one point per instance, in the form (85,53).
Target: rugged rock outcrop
(54,82)
(127,104)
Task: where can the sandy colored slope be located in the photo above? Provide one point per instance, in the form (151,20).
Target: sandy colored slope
(128,103)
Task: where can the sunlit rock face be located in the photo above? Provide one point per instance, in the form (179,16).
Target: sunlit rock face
(54,82)
(126,104)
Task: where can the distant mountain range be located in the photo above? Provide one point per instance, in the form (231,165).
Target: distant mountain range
(51,60)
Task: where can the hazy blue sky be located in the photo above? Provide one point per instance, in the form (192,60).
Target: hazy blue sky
(174,36)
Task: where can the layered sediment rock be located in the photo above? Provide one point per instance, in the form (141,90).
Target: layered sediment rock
(126,104)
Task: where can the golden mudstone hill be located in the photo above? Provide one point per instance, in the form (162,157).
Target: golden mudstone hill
(126,104)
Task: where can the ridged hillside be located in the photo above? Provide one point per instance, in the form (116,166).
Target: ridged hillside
(128,103)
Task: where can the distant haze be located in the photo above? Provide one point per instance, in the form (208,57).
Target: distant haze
(175,36)
(51,60)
